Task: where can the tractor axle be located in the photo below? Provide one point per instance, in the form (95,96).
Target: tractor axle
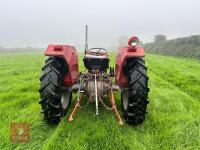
(95,88)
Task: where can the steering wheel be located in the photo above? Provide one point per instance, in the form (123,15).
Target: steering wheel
(97,51)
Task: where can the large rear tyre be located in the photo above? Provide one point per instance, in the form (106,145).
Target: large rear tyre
(135,97)
(54,100)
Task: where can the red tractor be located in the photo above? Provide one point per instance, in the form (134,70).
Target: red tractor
(60,77)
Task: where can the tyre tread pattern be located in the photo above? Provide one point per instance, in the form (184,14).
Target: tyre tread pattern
(51,80)
(136,71)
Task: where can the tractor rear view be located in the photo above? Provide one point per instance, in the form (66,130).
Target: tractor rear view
(61,77)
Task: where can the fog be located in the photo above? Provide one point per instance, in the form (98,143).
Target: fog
(41,22)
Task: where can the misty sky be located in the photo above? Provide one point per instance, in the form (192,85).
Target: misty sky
(41,22)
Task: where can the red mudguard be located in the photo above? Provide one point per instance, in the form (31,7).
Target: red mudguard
(124,53)
(70,55)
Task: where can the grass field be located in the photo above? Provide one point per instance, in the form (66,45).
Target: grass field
(173,120)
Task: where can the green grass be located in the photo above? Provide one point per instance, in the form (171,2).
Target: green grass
(181,72)
(173,120)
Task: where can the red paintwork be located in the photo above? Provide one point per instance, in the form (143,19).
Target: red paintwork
(124,53)
(70,55)
(133,38)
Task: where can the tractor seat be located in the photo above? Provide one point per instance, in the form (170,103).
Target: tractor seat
(96,59)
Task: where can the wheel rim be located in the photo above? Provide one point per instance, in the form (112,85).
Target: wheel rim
(125,99)
(65,98)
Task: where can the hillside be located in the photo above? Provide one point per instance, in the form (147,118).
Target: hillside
(173,120)
(183,47)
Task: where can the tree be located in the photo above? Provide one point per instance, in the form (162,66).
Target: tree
(159,38)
